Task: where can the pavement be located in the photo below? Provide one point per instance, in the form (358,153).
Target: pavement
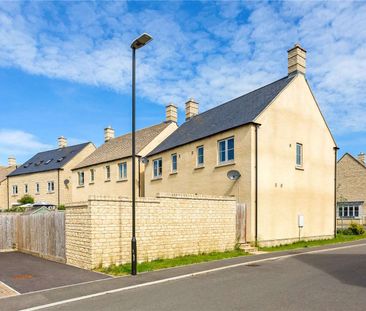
(322,278)
(23,273)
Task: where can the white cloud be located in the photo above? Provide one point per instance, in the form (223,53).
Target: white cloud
(220,52)
(16,142)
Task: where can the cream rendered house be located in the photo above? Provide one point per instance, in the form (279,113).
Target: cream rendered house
(275,142)
(107,171)
(47,175)
(4,171)
(351,190)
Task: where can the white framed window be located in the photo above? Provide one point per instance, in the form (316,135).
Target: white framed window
(200,156)
(81,178)
(158,168)
(174,162)
(92,175)
(122,170)
(26,188)
(38,187)
(107,172)
(299,155)
(226,150)
(50,187)
(349,211)
(15,189)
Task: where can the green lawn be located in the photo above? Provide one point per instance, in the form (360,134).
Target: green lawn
(302,244)
(173,262)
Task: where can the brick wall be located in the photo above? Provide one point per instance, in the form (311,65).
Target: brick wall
(99,232)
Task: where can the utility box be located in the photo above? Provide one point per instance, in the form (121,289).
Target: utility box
(300,221)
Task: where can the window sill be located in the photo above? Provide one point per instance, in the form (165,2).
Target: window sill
(224,164)
(80,186)
(156,178)
(14,195)
(107,180)
(299,168)
(199,167)
(173,173)
(37,193)
(51,192)
(91,183)
(122,180)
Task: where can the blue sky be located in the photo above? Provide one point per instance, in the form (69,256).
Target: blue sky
(65,66)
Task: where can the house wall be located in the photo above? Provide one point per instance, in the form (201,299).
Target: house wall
(101,186)
(285,191)
(98,232)
(351,180)
(211,179)
(4,194)
(62,193)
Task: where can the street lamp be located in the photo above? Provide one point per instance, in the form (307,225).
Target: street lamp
(136,44)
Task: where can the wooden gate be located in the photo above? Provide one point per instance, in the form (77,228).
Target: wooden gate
(8,236)
(240,223)
(42,235)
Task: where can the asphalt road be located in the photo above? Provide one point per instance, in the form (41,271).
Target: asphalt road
(332,280)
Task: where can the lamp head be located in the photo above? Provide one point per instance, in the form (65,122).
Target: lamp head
(141,41)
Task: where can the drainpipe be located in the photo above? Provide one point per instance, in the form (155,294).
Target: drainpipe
(335,190)
(257,125)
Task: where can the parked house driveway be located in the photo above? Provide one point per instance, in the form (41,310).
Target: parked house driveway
(26,273)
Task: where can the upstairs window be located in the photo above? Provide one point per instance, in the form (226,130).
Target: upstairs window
(174,163)
(15,189)
(122,170)
(50,187)
(299,155)
(226,150)
(26,188)
(200,156)
(38,188)
(92,175)
(81,178)
(107,172)
(158,168)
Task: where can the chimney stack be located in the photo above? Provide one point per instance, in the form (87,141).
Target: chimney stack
(171,113)
(361,157)
(108,133)
(296,60)
(191,109)
(62,142)
(12,161)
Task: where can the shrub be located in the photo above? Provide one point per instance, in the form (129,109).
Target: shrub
(26,199)
(356,229)
(61,207)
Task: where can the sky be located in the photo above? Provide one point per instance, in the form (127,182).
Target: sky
(65,67)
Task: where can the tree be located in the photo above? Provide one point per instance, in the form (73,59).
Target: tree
(26,199)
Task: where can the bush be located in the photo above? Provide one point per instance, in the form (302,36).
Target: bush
(356,229)
(61,207)
(26,199)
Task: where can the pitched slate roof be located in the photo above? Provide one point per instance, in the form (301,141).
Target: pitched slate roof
(234,113)
(4,171)
(49,160)
(121,146)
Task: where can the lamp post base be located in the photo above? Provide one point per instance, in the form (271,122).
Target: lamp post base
(133,256)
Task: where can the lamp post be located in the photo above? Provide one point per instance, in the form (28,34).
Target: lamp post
(136,44)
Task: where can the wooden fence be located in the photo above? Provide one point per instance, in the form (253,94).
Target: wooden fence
(39,234)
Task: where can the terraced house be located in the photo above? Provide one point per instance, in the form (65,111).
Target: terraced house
(107,171)
(47,175)
(351,189)
(4,171)
(270,148)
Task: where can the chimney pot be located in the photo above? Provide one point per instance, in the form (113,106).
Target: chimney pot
(171,113)
(361,157)
(12,161)
(296,60)
(62,142)
(191,109)
(108,133)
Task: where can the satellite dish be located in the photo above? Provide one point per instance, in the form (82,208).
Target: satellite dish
(233,175)
(66,182)
(144,160)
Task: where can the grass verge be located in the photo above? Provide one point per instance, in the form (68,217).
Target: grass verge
(173,262)
(303,244)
